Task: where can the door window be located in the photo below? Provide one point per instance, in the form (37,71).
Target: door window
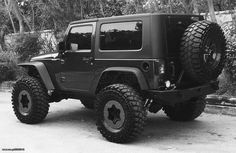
(79,39)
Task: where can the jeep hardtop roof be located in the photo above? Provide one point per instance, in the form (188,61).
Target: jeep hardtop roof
(130,17)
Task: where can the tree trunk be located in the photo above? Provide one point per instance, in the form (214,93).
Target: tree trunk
(211,10)
(13,6)
(188,6)
(33,17)
(234,17)
(2,41)
(101,8)
(9,13)
(195,7)
(138,6)
(170,7)
(27,23)
(81,10)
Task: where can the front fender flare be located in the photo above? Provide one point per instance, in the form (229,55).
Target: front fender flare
(43,72)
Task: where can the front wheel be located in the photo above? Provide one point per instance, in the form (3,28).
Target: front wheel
(30,100)
(121,113)
(186,111)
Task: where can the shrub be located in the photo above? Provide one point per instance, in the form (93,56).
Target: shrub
(228,77)
(26,46)
(7,71)
(47,41)
(8,66)
(226,84)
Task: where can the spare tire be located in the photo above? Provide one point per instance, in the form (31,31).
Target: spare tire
(203,51)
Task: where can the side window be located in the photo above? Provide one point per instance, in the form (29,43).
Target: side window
(121,36)
(79,38)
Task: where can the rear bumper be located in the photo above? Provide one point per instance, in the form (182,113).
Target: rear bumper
(175,96)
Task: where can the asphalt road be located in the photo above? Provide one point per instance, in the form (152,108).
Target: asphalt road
(70,128)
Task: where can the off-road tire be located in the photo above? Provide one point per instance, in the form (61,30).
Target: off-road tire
(186,111)
(200,38)
(134,110)
(88,103)
(39,98)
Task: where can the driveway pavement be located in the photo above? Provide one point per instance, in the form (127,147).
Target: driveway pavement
(70,128)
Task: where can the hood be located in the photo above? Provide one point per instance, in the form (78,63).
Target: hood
(44,56)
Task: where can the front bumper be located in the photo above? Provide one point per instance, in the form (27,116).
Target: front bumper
(172,97)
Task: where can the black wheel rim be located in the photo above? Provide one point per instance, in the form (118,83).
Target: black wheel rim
(24,103)
(114,116)
(212,55)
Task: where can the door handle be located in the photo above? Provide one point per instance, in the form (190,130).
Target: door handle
(62,79)
(87,59)
(59,59)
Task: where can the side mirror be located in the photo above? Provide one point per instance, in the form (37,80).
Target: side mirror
(61,47)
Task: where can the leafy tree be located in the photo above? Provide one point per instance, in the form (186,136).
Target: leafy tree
(3,26)
(13,6)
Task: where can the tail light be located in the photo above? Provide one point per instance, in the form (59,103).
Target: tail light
(159,67)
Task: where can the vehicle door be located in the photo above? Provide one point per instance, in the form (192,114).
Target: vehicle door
(77,66)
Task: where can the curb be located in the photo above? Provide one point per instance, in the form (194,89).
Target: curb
(221,100)
(222,105)
(221,110)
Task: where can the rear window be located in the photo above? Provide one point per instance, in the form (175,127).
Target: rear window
(121,36)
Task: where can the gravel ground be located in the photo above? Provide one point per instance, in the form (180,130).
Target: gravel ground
(70,128)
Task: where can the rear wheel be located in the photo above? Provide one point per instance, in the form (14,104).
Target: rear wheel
(186,111)
(121,113)
(30,100)
(203,51)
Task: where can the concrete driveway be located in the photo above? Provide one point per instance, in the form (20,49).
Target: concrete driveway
(70,128)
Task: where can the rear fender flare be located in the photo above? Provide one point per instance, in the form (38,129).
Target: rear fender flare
(135,71)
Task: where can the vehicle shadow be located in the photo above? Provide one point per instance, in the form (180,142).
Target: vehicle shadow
(158,128)
(76,116)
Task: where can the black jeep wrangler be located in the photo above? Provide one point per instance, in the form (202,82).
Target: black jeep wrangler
(125,66)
